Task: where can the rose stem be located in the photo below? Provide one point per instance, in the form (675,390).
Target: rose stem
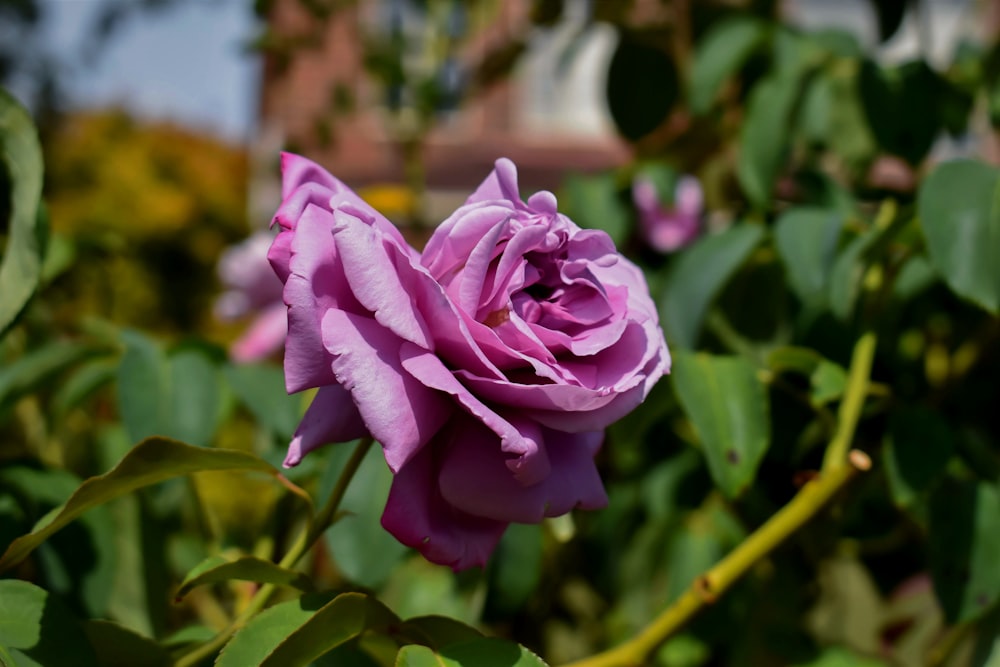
(302,544)
(839,466)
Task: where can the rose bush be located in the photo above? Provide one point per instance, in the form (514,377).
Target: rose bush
(487,367)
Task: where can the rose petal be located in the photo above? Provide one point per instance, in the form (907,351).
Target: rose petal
(400,412)
(370,269)
(331,417)
(265,336)
(474,476)
(530,463)
(315,284)
(419,517)
(500,184)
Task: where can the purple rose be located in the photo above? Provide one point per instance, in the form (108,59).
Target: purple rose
(487,366)
(252,289)
(668,228)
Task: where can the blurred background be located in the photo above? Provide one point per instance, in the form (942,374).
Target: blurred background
(662,122)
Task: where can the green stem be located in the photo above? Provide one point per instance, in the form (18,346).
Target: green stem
(858,379)
(303,543)
(709,586)
(840,464)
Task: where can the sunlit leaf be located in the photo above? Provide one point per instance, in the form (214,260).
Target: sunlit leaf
(729,408)
(491,652)
(297,632)
(21,157)
(246,568)
(151,461)
(699,275)
(36,629)
(959,206)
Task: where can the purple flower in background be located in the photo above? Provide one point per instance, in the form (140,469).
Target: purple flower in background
(252,288)
(487,367)
(668,228)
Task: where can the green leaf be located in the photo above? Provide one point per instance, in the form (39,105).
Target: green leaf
(117,646)
(247,568)
(642,86)
(815,117)
(728,406)
(515,569)
(764,137)
(720,54)
(964,548)
(437,631)
(38,367)
(890,95)
(848,273)
(143,386)
(80,564)
(151,461)
(299,631)
(262,389)
(959,208)
(195,405)
(592,201)
(920,444)
(82,383)
(485,652)
(827,379)
(841,657)
(491,652)
(363,550)
(702,270)
(21,155)
(36,629)
(415,655)
(806,239)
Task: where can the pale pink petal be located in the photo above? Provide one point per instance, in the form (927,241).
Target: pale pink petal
(265,336)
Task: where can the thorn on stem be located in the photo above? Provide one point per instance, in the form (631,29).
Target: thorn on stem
(704,589)
(803,477)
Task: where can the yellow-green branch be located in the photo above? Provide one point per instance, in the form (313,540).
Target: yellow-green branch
(840,464)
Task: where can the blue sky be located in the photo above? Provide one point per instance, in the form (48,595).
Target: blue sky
(187,64)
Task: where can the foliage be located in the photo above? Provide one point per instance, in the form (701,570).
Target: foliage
(815,485)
